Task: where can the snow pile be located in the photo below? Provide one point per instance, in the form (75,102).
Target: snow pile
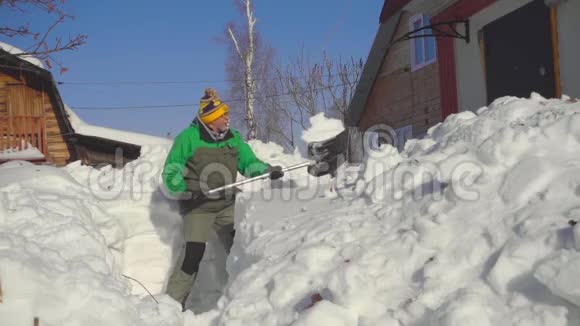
(322,128)
(473,225)
(274,153)
(14,50)
(76,241)
(380,160)
(468,226)
(27,152)
(82,128)
(212,276)
(81,238)
(61,254)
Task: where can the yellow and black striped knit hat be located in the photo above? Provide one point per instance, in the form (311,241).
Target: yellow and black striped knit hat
(211,107)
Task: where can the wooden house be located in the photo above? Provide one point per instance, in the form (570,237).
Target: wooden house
(35,126)
(483,49)
(33,123)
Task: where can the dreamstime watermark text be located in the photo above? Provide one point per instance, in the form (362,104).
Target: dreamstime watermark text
(383,175)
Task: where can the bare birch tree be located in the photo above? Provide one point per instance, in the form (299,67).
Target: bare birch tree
(40,44)
(279,100)
(269,108)
(246,55)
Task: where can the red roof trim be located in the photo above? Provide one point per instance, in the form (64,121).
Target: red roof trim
(462,9)
(390,7)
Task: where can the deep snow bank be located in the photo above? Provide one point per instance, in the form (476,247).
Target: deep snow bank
(70,237)
(65,245)
(468,226)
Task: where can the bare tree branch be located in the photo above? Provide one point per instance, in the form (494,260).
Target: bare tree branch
(326,87)
(236,44)
(15,31)
(40,46)
(50,28)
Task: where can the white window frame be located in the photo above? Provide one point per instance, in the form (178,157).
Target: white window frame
(414,66)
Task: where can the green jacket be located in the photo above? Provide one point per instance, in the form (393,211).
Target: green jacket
(197,163)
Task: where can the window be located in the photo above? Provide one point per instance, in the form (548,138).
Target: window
(423,49)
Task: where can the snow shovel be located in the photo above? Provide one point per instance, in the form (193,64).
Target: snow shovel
(328,155)
(326,150)
(347,146)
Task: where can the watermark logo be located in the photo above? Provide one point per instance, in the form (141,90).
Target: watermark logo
(384,175)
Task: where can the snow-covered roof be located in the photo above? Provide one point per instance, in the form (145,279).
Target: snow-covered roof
(14,50)
(82,128)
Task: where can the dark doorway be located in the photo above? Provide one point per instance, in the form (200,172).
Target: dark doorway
(518,53)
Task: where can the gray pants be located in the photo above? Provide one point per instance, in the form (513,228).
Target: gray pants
(198,223)
(196,227)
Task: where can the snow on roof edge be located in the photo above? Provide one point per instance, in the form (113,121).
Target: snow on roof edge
(82,128)
(14,50)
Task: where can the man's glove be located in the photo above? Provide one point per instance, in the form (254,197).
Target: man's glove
(275,172)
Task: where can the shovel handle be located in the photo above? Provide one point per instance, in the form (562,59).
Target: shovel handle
(260,177)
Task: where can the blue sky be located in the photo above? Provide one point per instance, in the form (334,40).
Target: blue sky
(133,40)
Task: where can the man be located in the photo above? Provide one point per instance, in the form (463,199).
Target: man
(204,156)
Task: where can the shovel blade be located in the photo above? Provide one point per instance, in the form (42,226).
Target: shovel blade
(328,149)
(328,166)
(330,154)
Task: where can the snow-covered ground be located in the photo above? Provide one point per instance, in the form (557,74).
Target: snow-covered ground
(26,151)
(472,225)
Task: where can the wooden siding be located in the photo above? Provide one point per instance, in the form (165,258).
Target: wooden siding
(60,152)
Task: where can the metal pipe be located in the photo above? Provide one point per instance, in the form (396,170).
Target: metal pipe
(260,177)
